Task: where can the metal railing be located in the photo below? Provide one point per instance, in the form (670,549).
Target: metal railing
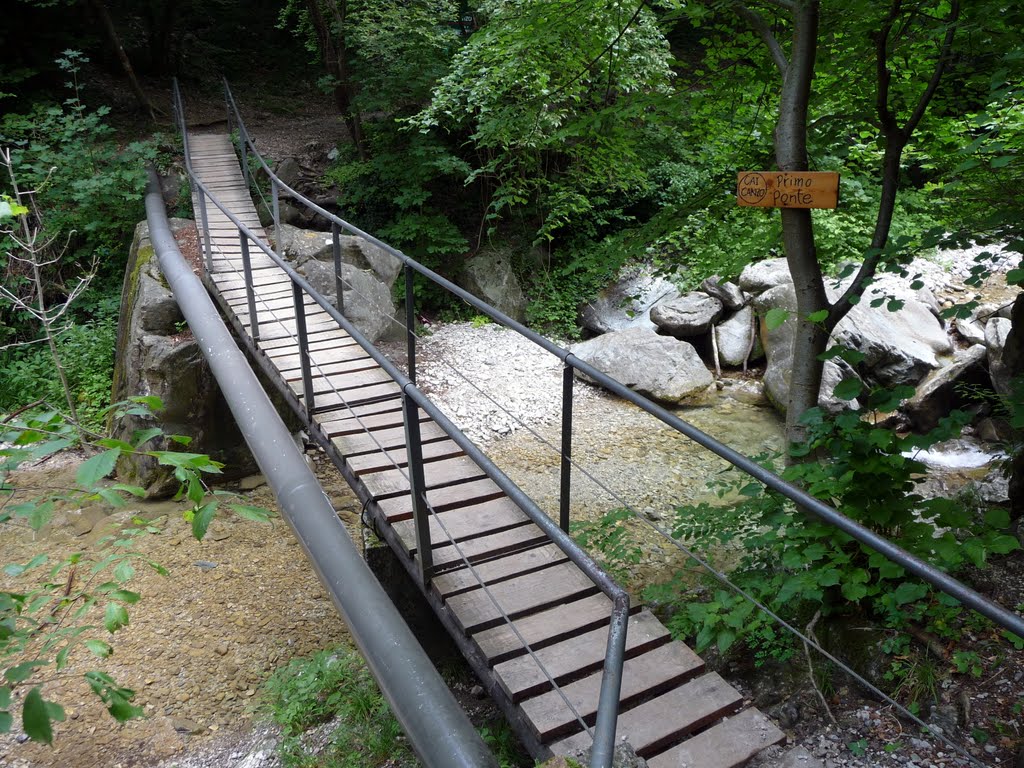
(925,571)
(414,400)
(418,695)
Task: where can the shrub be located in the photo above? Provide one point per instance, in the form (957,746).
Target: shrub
(797,565)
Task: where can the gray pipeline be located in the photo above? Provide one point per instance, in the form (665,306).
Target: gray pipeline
(437,728)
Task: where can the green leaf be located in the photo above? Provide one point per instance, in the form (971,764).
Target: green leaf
(848,389)
(1003,544)
(121,709)
(829,577)
(150,401)
(775,318)
(257,514)
(125,596)
(194,461)
(115,617)
(109,442)
(35,717)
(40,515)
(998,518)
(5,697)
(6,721)
(21,672)
(726,638)
(145,435)
(203,517)
(110,496)
(124,571)
(854,592)
(908,592)
(96,468)
(99,648)
(818,317)
(134,490)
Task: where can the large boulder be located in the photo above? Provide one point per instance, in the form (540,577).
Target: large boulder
(728,293)
(156,355)
(761,276)
(736,339)
(489,276)
(368,273)
(660,367)
(899,346)
(689,315)
(778,347)
(302,245)
(997,330)
(367,302)
(936,395)
(627,302)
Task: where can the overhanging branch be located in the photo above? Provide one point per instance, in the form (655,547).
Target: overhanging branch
(760,26)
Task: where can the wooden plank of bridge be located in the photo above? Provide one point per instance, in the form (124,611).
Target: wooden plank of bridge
(537,620)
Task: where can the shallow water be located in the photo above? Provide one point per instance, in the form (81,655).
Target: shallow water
(956,455)
(628,458)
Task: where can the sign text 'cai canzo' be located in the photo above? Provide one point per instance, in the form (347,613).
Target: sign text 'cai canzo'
(787,189)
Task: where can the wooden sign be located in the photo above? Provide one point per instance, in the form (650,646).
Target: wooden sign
(787,189)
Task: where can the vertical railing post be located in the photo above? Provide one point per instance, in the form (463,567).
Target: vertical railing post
(410,324)
(243,149)
(275,197)
(336,248)
(300,329)
(250,289)
(227,107)
(204,222)
(417,487)
(566,462)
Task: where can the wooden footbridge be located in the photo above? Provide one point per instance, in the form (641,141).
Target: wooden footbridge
(538,622)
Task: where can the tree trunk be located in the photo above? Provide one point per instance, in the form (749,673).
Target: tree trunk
(115,42)
(161,34)
(797,228)
(1013,357)
(334,53)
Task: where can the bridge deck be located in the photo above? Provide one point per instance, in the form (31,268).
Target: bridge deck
(672,710)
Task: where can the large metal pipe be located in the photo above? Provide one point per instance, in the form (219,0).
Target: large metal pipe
(437,728)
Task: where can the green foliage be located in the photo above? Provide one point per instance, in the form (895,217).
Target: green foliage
(797,565)
(58,608)
(334,685)
(87,352)
(87,186)
(504,744)
(608,537)
(554,98)
(393,191)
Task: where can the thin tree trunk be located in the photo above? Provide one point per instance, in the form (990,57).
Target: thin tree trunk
(37,279)
(115,42)
(797,227)
(334,52)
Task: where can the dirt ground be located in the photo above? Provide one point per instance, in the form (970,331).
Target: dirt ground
(233,608)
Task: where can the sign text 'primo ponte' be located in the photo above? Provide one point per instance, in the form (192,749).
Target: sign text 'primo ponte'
(787,189)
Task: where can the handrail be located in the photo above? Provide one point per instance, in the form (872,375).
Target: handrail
(607,712)
(925,571)
(418,695)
